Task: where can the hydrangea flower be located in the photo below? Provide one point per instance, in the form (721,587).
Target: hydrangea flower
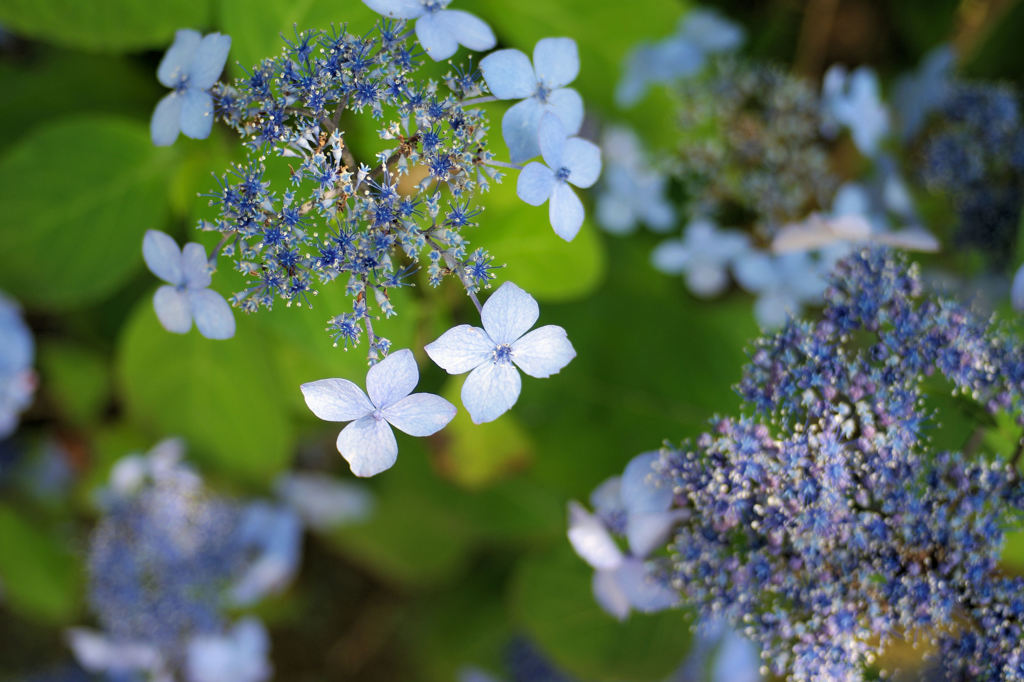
(17,378)
(239,655)
(784,283)
(492,354)
(541,86)
(368,443)
(190,67)
(704,255)
(631,190)
(635,505)
(853,100)
(917,94)
(322,501)
(439,30)
(570,160)
(273,534)
(187,295)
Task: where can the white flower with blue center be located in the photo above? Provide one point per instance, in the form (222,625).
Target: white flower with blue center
(187,295)
(190,68)
(541,86)
(570,160)
(703,255)
(368,444)
(439,30)
(853,101)
(492,355)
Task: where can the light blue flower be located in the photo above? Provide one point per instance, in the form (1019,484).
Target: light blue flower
(541,86)
(17,378)
(703,255)
(917,94)
(439,30)
(570,160)
(853,100)
(187,295)
(492,354)
(190,67)
(239,655)
(272,534)
(322,501)
(783,283)
(368,443)
(632,191)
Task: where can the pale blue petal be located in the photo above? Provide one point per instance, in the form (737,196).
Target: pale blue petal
(583,159)
(238,656)
(467,29)
(551,138)
(392,378)
(322,501)
(174,67)
(607,498)
(197,114)
(568,106)
(615,215)
(543,352)
(772,309)
(711,31)
(644,490)
(509,313)
(645,593)
(460,349)
(166,121)
(435,38)
(756,272)
(213,315)
(396,9)
(274,535)
(737,660)
(609,595)
(535,184)
(368,445)
(209,61)
(172,309)
(707,279)
(195,267)
(508,74)
(1017,289)
(646,532)
(519,128)
(591,539)
(420,414)
(163,257)
(490,391)
(671,257)
(98,653)
(565,211)
(336,400)
(556,61)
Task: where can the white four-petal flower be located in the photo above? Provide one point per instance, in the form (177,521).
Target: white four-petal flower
(368,443)
(187,295)
(190,68)
(439,30)
(494,352)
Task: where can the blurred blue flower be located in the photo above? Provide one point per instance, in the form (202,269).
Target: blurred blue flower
(240,655)
(272,534)
(541,86)
(322,501)
(368,443)
(704,255)
(190,68)
(631,190)
(187,295)
(494,352)
(439,30)
(853,101)
(917,94)
(570,160)
(17,353)
(784,283)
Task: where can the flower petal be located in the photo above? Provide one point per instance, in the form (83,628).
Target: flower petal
(583,159)
(392,378)
(535,184)
(490,391)
(96,652)
(212,313)
(645,532)
(469,30)
(556,61)
(519,128)
(368,445)
(195,268)
(1017,289)
(609,594)
(273,535)
(551,138)
(336,400)
(508,313)
(163,257)
(591,539)
(174,67)
(508,74)
(645,593)
(420,414)
(460,349)
(567,104)
(197,114)
(643,489)
(396,9)
(435,38)
(565,211)
(543,352)
(209,61)
(606,499)
(671,257)
(172,309)
(165,124)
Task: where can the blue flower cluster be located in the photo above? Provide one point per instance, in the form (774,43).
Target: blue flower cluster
(823,524)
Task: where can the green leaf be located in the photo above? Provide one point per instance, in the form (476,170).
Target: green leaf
(552,597)
(40,576)
(103,25)
(76,378)
(222,396)
(78,195)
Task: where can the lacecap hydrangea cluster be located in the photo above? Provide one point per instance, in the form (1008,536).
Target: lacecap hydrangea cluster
(822,523)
